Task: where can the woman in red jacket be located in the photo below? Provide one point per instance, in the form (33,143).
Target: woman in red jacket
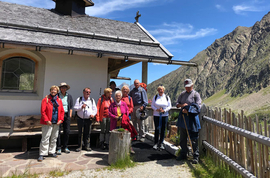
(102,116)
(52,115)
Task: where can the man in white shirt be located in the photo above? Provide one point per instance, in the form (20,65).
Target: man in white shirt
(86,110)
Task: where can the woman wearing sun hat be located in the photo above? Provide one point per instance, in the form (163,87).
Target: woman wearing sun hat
(68,105)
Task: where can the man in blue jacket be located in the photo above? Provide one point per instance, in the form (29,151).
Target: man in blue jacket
(140,100)
(190,102)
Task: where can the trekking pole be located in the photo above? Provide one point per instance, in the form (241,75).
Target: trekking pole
(82,129)
(188,133)
(160,122)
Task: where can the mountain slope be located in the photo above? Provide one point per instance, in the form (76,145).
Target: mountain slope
(237,64)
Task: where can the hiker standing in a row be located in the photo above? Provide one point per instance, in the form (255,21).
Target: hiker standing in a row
(102,116)
(188,120)
(161,104)
(86,110)
(140,100)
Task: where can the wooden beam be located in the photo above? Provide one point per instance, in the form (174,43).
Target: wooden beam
(121,66)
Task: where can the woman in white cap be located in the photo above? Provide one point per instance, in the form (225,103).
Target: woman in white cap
(68,105)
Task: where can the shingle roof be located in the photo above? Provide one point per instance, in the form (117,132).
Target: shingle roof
(30,24)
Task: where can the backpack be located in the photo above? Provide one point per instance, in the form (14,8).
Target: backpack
(143,85)
(102,100)
(157,96)
(80,99)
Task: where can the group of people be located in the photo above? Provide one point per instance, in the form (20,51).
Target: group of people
(116,108)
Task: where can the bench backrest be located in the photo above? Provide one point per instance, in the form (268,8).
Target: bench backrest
(27,123)
(5,122)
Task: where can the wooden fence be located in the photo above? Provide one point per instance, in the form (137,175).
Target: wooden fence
(240,142)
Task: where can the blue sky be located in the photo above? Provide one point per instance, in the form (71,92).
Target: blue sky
(183,27)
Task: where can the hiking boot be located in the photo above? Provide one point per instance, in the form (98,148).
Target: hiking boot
(58,152)
(78,150)
(40,158)
(195,161)
(181,158)
(162,146)
(53,155)
(102,146)
(155,147)
(106,146)
(67,150)
(88,149)
(132,151)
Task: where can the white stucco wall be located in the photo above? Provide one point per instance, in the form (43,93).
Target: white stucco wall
(77,71)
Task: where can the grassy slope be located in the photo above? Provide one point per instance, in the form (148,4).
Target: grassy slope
(254,103)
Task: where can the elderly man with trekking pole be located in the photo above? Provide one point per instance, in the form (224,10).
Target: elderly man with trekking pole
(86,110)
(188,120)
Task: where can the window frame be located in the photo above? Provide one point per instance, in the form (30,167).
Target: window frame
(8,56)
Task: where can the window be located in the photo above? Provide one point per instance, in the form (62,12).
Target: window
(18,73)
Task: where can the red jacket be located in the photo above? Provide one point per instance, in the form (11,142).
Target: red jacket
(103,108)
(129,103)
(47,110)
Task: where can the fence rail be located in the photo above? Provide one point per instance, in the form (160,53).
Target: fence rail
(243,140)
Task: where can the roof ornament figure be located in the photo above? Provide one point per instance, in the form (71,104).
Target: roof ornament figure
(137,16)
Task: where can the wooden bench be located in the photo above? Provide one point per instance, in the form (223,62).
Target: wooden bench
(27,127)
(5,126)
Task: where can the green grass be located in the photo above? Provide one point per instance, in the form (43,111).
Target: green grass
(121,130)
(58,173)
(127,162)
(207,169)
(25,174)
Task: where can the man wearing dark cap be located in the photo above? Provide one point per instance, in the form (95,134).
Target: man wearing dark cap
(187,99)
(114,89)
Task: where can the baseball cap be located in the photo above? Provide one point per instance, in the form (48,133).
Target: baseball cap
(188,83)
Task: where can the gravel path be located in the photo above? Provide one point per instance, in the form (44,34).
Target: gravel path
(162,168)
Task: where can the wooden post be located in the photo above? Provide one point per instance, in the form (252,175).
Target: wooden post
(255,152)
(266,156)
(262,155)
(144,72)
(242,142)
(234,139)
(203,135)
(226,132)
(119,145)
(251,149)
(259,147)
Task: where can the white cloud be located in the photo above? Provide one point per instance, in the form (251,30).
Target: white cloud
(172,33)
(103,7)
(220,8)
(251,6)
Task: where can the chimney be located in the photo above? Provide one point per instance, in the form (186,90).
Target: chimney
(72,7)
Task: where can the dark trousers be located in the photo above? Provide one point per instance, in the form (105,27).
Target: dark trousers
(163,127)
(84,125)
(66,130)
(183,144)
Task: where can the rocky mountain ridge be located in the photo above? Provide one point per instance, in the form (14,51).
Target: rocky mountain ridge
(238,63)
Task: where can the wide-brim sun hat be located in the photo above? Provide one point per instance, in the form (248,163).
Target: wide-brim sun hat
(64,84)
